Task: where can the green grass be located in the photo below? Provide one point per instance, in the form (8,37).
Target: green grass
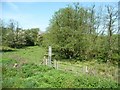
(104,70)
(30,73)
(30,54)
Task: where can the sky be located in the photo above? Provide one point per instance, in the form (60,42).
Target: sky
(36,14)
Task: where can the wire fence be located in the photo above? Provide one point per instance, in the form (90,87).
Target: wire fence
(77,70)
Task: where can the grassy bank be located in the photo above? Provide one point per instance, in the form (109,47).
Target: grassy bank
(29,54)
(30,73)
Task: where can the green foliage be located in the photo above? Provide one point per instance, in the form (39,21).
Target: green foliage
(73,34)
(30,75)
(16,37)
(76,32)
(67,32)
(31,36)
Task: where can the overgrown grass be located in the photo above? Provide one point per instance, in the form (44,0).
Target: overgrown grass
(105,70)
(29,54)
(30,75)
(6,49)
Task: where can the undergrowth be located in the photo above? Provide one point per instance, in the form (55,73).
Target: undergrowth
(30,75)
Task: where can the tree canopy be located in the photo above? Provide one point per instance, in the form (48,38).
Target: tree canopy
(74,32)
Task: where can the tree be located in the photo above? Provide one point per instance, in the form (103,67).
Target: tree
(31,36)
(111,18)
(12,35)
(68,32)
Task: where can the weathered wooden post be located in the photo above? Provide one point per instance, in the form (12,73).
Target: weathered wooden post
(86,69)
(46,61)
(43,62)
(56,65)
(49,55)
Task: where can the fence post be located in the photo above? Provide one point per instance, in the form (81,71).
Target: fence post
(56,65)
(86,69)
(49,55)
(45,61)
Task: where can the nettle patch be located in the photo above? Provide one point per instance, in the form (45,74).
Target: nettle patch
(30,75)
